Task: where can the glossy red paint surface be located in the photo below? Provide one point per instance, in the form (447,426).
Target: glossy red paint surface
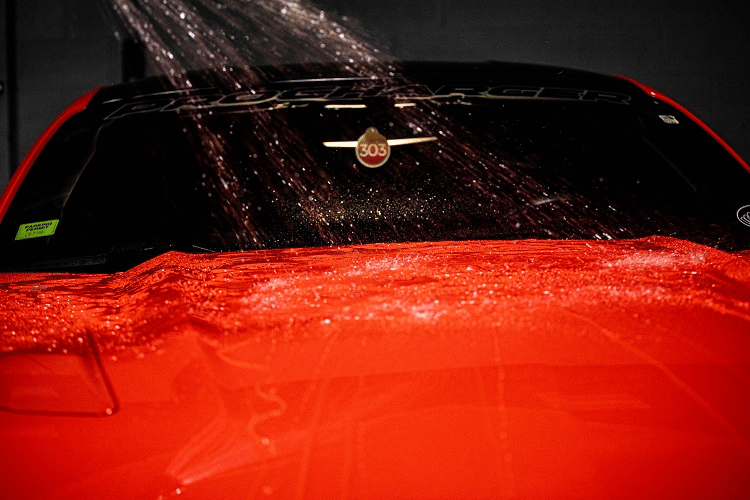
(481,369)
(15,182)
(658,95)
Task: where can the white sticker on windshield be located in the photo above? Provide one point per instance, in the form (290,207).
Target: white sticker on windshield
(669,119)
(743,215)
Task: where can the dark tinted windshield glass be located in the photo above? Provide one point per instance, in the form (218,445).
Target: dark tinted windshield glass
(287,175)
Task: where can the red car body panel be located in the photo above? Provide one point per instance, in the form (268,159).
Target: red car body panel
(457,369)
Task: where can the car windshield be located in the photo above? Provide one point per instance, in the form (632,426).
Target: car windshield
(145,178)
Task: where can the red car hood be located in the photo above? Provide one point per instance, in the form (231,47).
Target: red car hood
(473,369)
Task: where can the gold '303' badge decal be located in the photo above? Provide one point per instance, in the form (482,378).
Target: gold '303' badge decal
(373,149)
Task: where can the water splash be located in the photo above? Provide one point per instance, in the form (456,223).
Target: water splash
(234,36)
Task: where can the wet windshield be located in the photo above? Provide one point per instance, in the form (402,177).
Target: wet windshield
(289,175)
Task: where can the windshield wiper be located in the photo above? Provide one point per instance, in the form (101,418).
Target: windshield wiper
(115,260)
(119,259)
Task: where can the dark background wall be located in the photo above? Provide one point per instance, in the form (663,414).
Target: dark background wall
(696,51)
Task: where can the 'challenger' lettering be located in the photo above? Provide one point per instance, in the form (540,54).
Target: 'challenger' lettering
(197,99)
(465,90)
(149,106)
(247,97)
(306,94)
(595,95)
(516,91)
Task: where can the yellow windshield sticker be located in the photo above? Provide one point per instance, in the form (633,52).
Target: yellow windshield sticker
(37,229)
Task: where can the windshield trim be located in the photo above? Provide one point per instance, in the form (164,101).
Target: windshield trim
(78,105)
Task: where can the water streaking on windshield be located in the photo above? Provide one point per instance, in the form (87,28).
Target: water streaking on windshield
(231,37)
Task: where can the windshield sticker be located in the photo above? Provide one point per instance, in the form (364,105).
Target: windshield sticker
(37,229)
(669,119)
(373,149)
(743,215)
